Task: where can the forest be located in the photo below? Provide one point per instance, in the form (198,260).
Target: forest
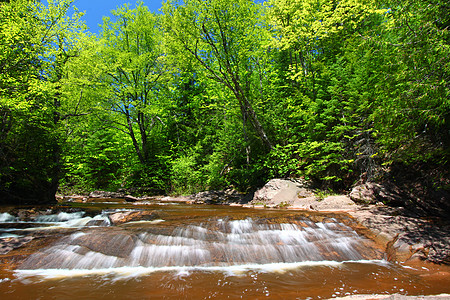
(210,94)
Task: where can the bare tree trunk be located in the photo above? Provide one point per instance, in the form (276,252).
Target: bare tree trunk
(248,112)
(133,138)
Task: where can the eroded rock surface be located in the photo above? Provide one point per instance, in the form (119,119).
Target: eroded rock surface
(111,243)
(8,244)
(407,237)
(403,232)
(132,216)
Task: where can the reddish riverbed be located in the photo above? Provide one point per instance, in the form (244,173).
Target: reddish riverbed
(204,252)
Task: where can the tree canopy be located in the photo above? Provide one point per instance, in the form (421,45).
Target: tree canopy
(218,93)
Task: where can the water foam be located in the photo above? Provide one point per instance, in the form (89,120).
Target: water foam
(9,235)
(152,222)
(231,247)
(60,217)
(7,218)
(127,272)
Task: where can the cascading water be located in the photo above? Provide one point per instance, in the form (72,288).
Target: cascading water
(7,218)
(217,243)
(60,217)
(198,252)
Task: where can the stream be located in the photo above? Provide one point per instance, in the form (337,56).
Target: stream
(201,252)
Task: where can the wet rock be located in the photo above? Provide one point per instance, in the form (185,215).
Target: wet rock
(131,216)
(130,198)
(8,244)
(105,194)
(31,214)
(74,199)
(394,297)
(407,237)
(98,222)
(107,242)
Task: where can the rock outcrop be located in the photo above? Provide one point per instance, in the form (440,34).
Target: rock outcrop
(372,193)
(218,197)
(333,203)
(298,195)
(282,192)
(405,236)
(132,216)
(130,198)
(105,194)
(8,244)
(111,243)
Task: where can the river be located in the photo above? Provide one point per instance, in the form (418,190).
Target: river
(201,252)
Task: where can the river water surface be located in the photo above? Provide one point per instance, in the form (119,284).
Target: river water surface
(202,252)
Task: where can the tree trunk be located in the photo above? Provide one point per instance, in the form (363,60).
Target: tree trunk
(248,112)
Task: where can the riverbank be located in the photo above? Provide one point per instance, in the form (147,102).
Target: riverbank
(115,230)
(405,235)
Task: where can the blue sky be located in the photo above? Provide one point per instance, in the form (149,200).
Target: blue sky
(96,9)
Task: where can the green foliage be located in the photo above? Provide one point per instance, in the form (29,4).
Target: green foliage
(30,99)
(133,73)
(94,162)
(186,178)
(312,160)
(218,93)
(412,116)
(224,37)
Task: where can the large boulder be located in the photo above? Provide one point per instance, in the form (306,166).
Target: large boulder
(130,198)
(372,193)
(298,195)
(282,192)
(365,193)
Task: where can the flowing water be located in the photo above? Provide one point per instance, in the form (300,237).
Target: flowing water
(201,252)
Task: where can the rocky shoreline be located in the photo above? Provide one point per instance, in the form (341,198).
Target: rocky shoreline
(408,238)
(405,235)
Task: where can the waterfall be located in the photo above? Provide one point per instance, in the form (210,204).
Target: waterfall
(213,244)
